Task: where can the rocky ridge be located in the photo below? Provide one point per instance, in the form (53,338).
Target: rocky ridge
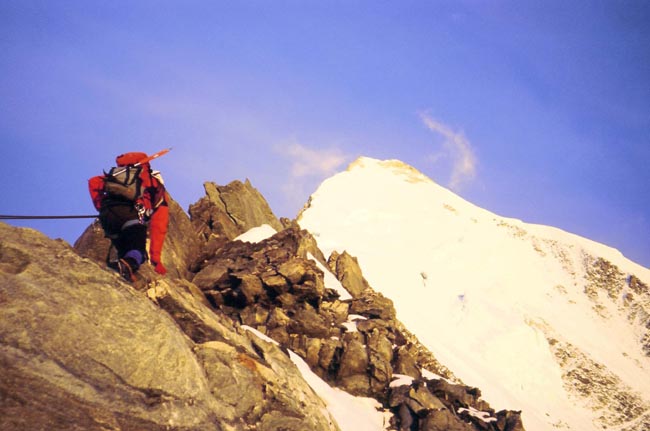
(84,350)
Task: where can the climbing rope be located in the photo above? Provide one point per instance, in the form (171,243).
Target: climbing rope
(27,217)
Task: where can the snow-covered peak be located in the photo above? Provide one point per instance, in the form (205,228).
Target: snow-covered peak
(524,312)
(397,167)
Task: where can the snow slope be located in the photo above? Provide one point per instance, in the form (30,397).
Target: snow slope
(540,320)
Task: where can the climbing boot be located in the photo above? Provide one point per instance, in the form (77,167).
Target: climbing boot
(126,269)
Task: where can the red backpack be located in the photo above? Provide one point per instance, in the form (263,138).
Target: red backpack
(124,182)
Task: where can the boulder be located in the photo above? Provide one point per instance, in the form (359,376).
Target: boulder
(211,219)
(274,282)
(420,399)
(293,270)
(329,357)
(443,420)
(348,272)
(508,420)
(337,310)
(405,363)
(380,355)
(228,211)
(373,304)
(305,320)
(455,395)
(353,370)
(251,287)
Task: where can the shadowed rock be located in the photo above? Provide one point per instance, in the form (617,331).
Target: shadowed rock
(347,270)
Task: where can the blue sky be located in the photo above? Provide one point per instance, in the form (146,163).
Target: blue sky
(533,110)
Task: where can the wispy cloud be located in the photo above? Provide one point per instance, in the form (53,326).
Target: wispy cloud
(456,147)
(310,162)
(308,167)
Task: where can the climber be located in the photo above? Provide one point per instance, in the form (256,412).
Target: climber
(130,198)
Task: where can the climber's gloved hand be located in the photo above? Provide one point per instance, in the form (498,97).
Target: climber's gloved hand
(159,268)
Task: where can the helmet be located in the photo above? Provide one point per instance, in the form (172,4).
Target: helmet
(130,158)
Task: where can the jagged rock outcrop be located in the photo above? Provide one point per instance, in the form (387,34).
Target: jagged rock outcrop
(81,350)
(230,210)
(347,270)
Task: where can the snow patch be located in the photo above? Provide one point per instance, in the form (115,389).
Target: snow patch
(431,375)
(257,234)
(351,324)
(331,282)
(484,416)
(401,380)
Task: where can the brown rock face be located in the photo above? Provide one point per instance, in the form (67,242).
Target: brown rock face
(228,211)
(81,350)
(347,270)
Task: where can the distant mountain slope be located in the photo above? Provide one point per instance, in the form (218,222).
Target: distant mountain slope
(541,320)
